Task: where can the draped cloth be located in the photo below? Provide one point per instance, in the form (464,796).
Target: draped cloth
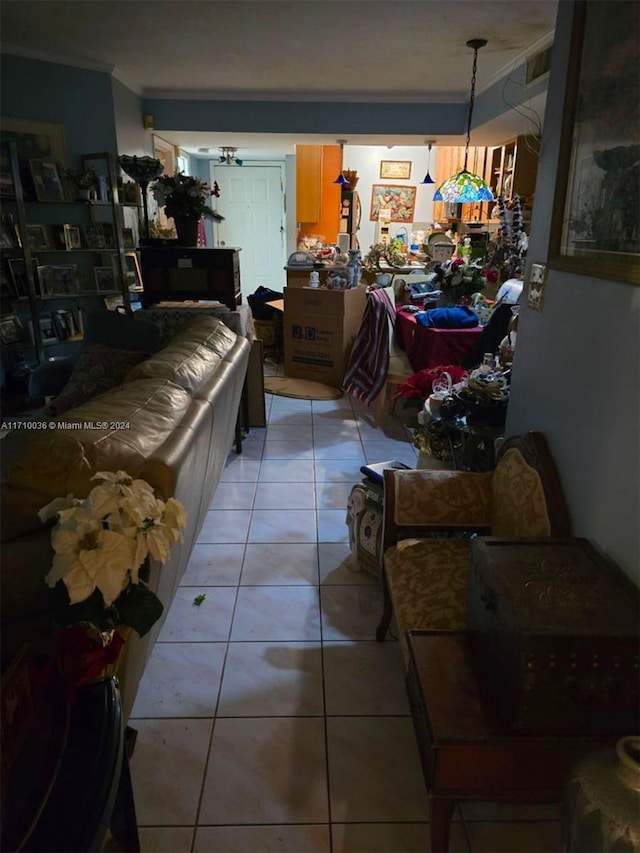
(369,360)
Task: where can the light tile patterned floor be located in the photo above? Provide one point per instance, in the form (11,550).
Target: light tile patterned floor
(268,718)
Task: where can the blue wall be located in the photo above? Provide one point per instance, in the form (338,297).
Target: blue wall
(341,119)
(576,373)
(46,91)
(131,135)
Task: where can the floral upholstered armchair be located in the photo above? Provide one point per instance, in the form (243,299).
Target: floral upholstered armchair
(429,517)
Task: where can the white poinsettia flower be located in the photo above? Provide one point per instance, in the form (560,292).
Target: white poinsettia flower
(79,584)
(77,514)
(140,507)
(55,506)
(71,539)
(104,499)
(159,542)
(61,566)
(175,514)
(109,564)
(113,476)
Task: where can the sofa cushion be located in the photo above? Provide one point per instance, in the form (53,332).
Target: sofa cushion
(98,369)
(117,430)
(191,356)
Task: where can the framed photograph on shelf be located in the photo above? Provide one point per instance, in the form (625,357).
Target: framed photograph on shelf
(8,233)
(99,235)
(47,330)
(72,237)
(134,273)
(47,180)
(395,169)
(18,274)
(37,237)
(106,281)
(595,228)
(56,233)
(398,201)
(57,280)
(128,240)
(11,329)
(7,189)
(130,193)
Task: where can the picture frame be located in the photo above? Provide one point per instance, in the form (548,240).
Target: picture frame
(134,273)
(9,237)
(130,193)
(47,180)
(37,237)
(99,235)
(56,234)
(399,201)
(11,329)
(128,239)
(18,275)
(47,330)
(43,140)
(57,280)
(72,237)
(395,169)
(595,227)
(105,278)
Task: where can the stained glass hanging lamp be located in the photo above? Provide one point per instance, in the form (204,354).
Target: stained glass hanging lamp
(465,187)
(341,178)
(427,178)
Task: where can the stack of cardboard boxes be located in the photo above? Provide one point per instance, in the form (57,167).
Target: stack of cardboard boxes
(320,326)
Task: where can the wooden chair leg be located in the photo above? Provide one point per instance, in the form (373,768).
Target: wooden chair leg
(387,609)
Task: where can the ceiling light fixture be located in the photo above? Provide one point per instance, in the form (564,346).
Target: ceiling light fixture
(464,186)
(341,178)
(427,178)
(229,157)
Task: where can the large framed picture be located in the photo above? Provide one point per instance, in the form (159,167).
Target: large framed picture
(398,169)
(47,180)
(595,229)
(57,280)
(397,200)
(134,274)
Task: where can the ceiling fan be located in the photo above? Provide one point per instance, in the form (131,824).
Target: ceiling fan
(229,157)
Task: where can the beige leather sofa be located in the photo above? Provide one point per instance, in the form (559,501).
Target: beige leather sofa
(180,407)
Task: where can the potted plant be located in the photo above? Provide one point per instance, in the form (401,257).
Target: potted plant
(184,198)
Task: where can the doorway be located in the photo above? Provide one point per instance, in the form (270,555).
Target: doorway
(252,202)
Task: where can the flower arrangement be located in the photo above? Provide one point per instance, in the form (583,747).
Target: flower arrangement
(389,252)
(185,196)
(102,547)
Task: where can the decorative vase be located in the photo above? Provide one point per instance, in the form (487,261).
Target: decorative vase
(187,229)
(601,804)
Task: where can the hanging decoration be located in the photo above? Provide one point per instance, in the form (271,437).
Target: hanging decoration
(228,156)
(465,187)
(341,178)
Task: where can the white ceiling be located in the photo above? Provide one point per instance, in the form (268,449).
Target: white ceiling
(399,50)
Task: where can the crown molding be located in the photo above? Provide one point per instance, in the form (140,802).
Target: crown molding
(305,97)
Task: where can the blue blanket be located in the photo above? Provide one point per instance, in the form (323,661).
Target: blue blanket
(459,317)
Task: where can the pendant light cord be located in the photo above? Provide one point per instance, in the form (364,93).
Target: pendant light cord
(471,103)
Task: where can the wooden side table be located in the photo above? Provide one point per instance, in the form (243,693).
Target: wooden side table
(464,753)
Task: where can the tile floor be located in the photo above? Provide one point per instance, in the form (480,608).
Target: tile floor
(269,719)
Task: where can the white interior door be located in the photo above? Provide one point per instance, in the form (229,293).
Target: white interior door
(252,202)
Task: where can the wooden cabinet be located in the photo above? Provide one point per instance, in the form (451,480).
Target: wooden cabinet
(308,183)
(513,168)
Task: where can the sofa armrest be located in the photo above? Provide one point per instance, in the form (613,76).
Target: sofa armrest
(425,500)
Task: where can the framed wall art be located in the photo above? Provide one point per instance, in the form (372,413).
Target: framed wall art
(72,237)
(46,180)
(57,280)
(42,140)
(37,237)
(11,329)
(595,229)
(398,169)
(105,279)
(398,201)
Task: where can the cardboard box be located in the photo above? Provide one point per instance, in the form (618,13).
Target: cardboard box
(319,329)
